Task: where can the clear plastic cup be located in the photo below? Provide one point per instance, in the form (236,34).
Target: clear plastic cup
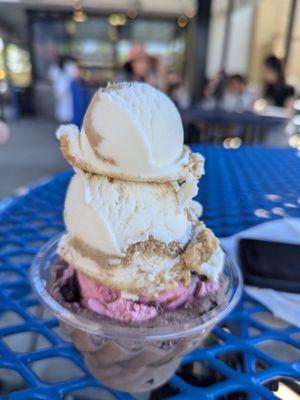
(127,358)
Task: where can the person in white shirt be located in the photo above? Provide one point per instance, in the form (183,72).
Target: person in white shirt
(61,76)
(237,96)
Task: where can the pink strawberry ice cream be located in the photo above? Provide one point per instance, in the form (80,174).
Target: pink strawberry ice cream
(109,302)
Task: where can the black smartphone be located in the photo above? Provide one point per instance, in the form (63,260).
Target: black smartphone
(273,265)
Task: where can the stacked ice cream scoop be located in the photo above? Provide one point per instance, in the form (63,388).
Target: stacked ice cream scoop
(133,238)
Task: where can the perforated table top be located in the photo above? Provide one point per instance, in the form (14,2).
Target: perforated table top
(241,188)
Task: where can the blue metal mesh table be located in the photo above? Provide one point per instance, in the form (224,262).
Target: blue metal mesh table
(241,188)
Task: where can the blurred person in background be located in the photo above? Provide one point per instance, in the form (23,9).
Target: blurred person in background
(276,91)
(61,76)
(228,92)
(81,97)
(142,67)
(236,95)
(214,90)
(176,90)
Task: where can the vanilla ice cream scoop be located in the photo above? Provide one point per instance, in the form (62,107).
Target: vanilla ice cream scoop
(131,131)
(109,215)
(133,235)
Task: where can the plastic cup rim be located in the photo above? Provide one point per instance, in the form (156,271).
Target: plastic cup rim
(107,330)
